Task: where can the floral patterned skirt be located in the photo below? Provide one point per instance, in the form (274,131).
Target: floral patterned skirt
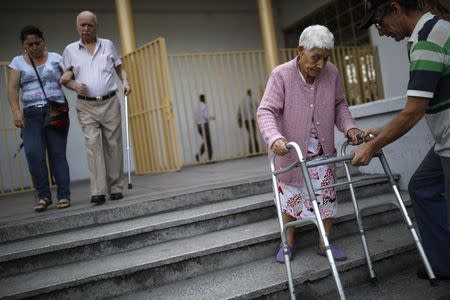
(295,200)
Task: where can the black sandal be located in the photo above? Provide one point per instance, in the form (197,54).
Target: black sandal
(42,204)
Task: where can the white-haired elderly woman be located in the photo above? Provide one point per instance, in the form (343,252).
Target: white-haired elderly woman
(302,102)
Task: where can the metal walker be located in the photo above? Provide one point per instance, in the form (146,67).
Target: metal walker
(398,202)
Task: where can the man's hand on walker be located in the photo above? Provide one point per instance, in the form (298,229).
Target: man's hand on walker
(370,133)
(279,147)
(363,154)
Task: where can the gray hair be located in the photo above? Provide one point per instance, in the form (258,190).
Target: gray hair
(316,36)
(87,12)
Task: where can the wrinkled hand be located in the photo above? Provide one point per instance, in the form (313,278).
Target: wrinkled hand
(363,154)
(126,88)
(371,131)
(80,88)
(355,136)
(279,147)
(19,120)
(66,77)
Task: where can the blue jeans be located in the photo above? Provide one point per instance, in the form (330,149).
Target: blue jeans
(37,140)
(204,129)
(427,187)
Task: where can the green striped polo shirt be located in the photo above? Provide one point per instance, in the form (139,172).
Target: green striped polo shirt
(430,75)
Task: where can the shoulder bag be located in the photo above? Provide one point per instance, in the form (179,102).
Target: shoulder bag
(57,113)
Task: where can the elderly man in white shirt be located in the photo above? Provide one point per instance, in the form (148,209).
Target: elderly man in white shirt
(93,61)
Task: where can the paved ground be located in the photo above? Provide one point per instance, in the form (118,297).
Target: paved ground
(20,206)
(403,285)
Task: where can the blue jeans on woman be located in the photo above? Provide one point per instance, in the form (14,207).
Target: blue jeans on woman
(429,188)
(37,140)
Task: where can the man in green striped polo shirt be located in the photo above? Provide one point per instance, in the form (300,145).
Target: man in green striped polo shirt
(429,96)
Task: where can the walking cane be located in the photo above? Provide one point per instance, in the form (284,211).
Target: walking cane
(130,186)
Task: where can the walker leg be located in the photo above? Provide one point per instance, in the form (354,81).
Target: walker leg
(404,213)
(372,274)
(426,263)
(283,232)
(321,228)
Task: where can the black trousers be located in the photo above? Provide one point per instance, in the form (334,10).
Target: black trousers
(203,130)
(250,125)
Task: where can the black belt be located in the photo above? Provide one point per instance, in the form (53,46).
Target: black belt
(99,98)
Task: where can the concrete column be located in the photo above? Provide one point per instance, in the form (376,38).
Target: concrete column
(268,34)
(126,28)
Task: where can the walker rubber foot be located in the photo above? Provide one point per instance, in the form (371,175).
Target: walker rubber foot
(434,282)
(373,281)
(130,186)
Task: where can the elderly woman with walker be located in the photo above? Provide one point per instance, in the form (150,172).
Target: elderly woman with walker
(302,103)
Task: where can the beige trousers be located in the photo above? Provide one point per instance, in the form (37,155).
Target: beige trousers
(100,122)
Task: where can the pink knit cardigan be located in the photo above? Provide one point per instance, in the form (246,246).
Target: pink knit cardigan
(289,105)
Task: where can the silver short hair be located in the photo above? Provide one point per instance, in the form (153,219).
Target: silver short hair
(316,36)
(87,12)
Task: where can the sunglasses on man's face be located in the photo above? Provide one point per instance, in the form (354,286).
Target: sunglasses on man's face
(378,23)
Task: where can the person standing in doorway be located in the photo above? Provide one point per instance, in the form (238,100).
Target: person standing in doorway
(93,61)
(202,119)
(246,115)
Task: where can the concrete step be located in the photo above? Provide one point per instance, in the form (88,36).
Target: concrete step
(266,279)
(132,207)
(176,260)
(94,241)
(58,248)
(156,204)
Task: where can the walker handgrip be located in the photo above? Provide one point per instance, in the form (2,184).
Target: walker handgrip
(289,146)
(331,160)
(286,169)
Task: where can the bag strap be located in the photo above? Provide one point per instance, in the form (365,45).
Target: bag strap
(38,76)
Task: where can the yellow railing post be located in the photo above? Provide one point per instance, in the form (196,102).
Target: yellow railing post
(126,27)
(268,33)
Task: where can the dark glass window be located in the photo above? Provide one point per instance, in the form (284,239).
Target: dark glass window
(340,16)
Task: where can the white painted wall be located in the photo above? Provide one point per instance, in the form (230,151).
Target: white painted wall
(194,25)
(393,62)
(290,11)
(405,154)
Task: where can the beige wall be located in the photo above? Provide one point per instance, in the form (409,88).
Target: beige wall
(194,25)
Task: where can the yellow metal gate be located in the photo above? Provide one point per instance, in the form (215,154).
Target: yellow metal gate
(224,79)
(163,103)
(14,175)
(151,120)
(360,72)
